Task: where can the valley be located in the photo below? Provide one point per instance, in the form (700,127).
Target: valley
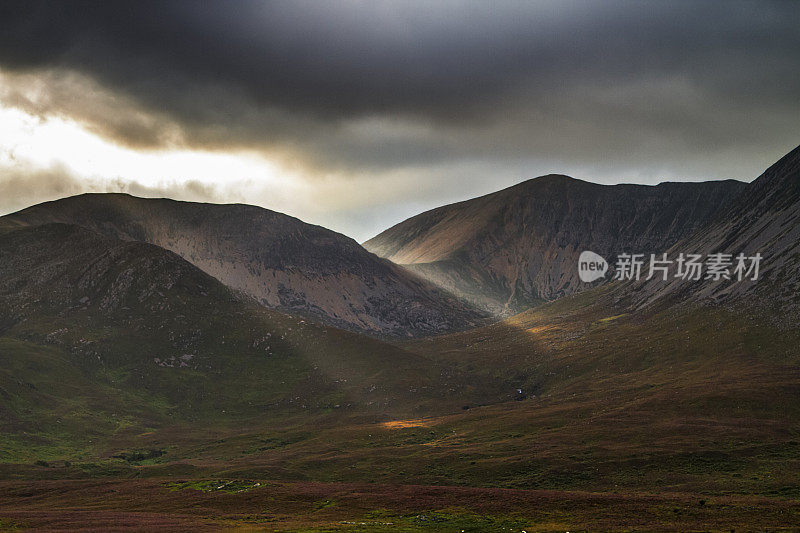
(140,389)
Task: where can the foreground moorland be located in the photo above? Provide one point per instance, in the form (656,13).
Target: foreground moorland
(674,420)
(125,505)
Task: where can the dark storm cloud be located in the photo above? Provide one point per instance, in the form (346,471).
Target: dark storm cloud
(372,85)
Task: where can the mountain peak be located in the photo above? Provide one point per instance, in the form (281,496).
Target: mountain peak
(554,178)
(551,180)
(785,171)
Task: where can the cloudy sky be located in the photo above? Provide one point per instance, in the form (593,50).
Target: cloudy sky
(357,114)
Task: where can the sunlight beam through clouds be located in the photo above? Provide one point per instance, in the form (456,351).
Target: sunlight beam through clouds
(78,160)
(46,153)
(55,141)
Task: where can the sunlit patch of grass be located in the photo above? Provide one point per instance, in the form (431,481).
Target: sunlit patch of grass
(410,423)
(608,319)
(539,329)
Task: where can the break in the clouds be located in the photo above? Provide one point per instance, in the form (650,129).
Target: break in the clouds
(370,111)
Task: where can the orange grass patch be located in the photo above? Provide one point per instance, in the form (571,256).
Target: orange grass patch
(410,423)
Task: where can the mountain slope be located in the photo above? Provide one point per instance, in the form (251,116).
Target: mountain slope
(517,247)
(98,335)
(672,399)
(764,219)
(279,260)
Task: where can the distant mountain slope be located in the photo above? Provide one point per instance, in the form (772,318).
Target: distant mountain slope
(764,219)
(517,247)
(282,262)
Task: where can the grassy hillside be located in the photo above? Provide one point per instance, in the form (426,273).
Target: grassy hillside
(679,420)
(692,401)
(105,343)
(685,399)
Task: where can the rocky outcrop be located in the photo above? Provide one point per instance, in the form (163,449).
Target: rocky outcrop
(512,249)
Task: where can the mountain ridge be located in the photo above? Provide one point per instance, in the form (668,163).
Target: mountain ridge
(518,247)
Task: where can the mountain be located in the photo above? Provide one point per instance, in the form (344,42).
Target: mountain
(764,219)
(506,251)
(100,337)
(280,261)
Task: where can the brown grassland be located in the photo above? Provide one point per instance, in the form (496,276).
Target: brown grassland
(678,420)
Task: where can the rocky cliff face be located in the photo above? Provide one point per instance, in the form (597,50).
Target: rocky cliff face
(280,261)
(764,219)
(512,249)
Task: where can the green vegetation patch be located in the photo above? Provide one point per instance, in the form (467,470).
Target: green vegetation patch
(10,525)
(141,457)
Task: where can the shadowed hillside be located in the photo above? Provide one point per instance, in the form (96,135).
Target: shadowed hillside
(764,219)
(122,359)
(101,339)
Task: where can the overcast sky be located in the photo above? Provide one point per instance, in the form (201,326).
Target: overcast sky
(358,114)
